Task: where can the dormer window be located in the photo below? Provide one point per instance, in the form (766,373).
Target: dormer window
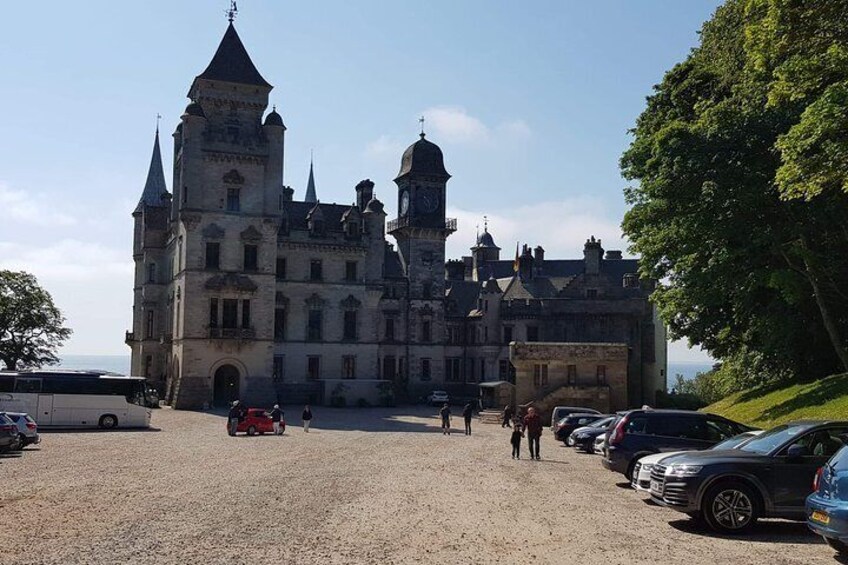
(352,229)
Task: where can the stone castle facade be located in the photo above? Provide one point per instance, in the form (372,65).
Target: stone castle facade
(242,291)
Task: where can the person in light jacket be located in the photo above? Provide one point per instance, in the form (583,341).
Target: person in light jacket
(233,418)
(276,418)
(306,417)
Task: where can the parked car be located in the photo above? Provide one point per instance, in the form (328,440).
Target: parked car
(600,442)
(8,434)
(584,437)
(258,421)
(827,506)
(438,397)
(767,477)
(560,412)
(643,432)
(641,480)
(571,423)
(27,428)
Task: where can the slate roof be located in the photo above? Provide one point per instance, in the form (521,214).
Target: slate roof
(310,187)
(423,158)
(563,268)
(154,187)
(231,62)
(392,267)
(464,294)
(298,212)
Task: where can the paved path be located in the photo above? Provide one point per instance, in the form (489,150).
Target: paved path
(364,486)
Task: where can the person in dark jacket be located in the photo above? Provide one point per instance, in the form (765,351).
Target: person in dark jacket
(507,417)
(445,413)
(515,440)
(533,425)
(306,417)
(233,418)
(467,412)
(276,418)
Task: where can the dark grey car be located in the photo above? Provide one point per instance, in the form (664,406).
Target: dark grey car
(9,439)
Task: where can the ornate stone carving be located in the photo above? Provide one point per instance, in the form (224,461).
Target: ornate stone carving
(251,234)
(213,231)
(426,310)
(280,299)
(233,177)
(350,303)
(190,221)
(231,281)
(315,302)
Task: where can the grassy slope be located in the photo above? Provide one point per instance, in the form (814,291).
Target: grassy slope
(824,399)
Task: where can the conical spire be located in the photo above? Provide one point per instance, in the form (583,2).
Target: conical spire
(310,186)
(154,188)
(231,62)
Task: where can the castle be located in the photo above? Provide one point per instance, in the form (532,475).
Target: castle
(242,291)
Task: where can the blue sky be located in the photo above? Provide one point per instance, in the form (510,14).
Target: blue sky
(530,102)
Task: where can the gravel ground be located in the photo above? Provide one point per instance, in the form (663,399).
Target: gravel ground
(363,486)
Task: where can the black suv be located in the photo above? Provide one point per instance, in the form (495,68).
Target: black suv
(769,476)
(643,432)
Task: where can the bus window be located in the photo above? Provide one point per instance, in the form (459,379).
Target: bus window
(7,383)
(27,385)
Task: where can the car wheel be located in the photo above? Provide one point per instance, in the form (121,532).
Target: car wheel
(730,507)
(251,430)
(628,474)
(108,421)
(839,546)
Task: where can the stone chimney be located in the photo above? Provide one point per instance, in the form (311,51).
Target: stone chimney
(288,194)
(525,264)
(612,255)
(455,270)
(592,254)
(364,193)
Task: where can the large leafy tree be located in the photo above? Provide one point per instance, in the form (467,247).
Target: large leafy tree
(746,271)
(31,326)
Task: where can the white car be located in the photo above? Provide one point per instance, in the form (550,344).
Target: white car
(642,470)
(598,446)
(438,397)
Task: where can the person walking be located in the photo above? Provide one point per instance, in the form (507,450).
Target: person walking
(276,418)
(507,417)
(533,425)
(233,418)
(306,417)
(467,412)
(445,413)
(515,440)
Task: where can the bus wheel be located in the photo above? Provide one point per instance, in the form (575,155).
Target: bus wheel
(108,421)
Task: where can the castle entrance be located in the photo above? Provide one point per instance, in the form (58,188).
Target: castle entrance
(226,387)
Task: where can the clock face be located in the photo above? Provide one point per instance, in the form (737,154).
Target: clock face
(404,203)
(428,200)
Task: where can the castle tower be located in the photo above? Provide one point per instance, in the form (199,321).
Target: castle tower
(484,251)
(228,174)
(148,353)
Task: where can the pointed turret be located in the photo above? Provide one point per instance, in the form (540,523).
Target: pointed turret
(231,62)
(155,191)
(310,187)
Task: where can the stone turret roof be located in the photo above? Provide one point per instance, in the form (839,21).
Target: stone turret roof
(231,62)
(155,188)
(310,187)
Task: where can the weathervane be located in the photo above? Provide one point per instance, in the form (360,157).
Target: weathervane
(486,224)
(421,121)
(158,117)
(232,12)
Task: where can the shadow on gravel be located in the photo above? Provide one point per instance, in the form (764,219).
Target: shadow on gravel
(625,485)
(95,430)
(11,455)
(765,531)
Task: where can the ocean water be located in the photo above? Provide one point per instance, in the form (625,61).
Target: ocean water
(688,370)
(114,363)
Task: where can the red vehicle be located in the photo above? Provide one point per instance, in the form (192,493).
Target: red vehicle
(258,421)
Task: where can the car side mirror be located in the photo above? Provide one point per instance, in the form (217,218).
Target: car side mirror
(796,452)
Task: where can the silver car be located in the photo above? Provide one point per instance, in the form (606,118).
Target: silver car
(27,428)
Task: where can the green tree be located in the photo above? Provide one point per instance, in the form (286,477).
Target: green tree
(744,271)
(31,326)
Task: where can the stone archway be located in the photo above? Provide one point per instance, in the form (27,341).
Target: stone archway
(226,385)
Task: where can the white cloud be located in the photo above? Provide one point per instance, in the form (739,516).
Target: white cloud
(31,208)
(454,124)
(67,260)
(385,146)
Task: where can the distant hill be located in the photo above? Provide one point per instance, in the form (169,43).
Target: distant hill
(765,407)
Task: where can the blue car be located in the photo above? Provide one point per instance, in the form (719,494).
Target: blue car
(827,507)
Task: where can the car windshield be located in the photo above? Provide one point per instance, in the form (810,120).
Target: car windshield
(732,443)
(603,423)
(839,462)
(773,438)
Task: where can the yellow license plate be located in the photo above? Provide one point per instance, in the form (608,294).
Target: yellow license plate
(820,517)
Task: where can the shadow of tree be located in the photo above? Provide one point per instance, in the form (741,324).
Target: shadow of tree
(771,531)
(823,392)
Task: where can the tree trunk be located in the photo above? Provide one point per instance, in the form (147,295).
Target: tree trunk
(830,324)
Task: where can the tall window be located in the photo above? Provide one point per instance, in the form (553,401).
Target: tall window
(427,289)
(315,270)
(591,293)
(348,367)
(571,374)
(426,373)
(279,324)
(540,375)
(313,330)
(389,367)
(482,370)
(233,200)
(213,255)
(425,331)
(453,369)
(390,329)
(469,369)
(350,271)
(245,313)
(250,257)
(279,367)
(213,313)
(281,268)
(149,324)
(313,367)
(485,334)
(602,375)
(454,335)
(532,333)
(350,324)
(151,272)
(230,318)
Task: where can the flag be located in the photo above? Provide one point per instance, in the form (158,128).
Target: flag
(515,263)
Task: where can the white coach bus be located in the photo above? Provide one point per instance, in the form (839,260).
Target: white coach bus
(76,399)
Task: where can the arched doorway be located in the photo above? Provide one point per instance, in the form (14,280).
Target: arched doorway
(226,385)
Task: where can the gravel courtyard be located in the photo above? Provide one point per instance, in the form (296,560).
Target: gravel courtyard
(364,486)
